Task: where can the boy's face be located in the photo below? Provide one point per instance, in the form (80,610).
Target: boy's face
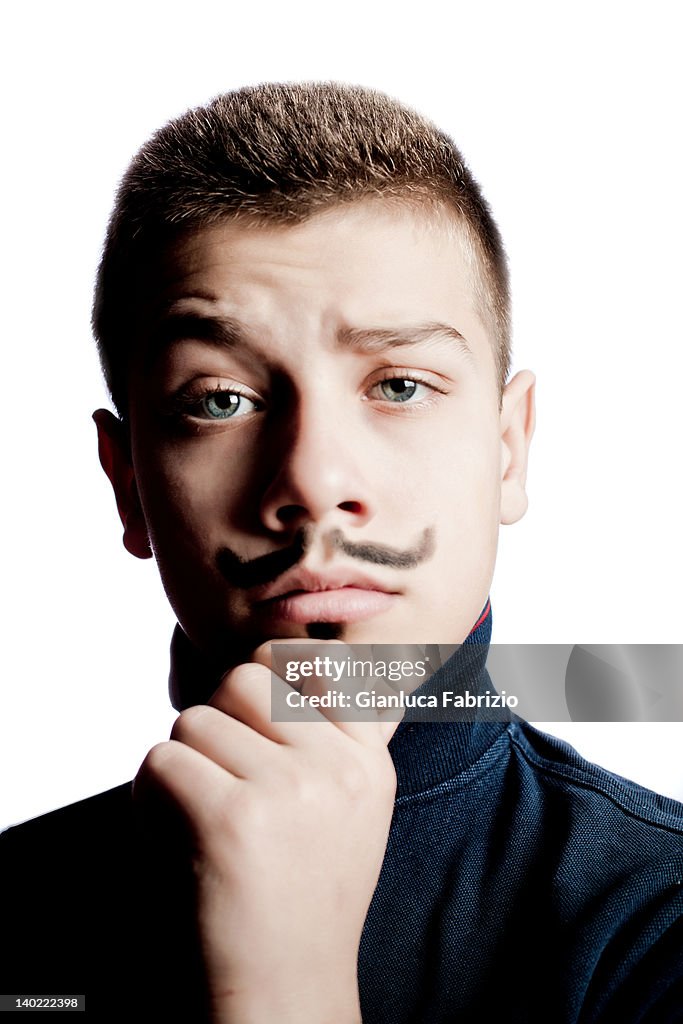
(315,433)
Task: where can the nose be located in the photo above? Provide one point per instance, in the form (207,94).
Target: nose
(318,474)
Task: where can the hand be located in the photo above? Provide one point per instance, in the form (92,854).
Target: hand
(288,824)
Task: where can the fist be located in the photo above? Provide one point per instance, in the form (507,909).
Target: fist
(287,825)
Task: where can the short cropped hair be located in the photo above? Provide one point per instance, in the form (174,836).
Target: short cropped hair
(281,153)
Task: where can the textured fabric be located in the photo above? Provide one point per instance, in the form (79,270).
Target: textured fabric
(520,883)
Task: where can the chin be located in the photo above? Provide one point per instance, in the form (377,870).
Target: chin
(365,632)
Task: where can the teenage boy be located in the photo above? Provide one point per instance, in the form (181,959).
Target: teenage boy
(302,311)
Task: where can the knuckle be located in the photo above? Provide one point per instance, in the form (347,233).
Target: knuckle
(154,768)
(187,723)
(263,654)
(240,682)
(309,792)
(354,780)
(303,784)
(249,674)
(241,820)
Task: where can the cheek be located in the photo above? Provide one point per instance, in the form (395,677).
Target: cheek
(458,577)
(459,480)
(190,491)
(465,510)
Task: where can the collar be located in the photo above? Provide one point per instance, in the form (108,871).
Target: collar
(425,753)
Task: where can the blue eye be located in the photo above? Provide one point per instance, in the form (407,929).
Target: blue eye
(223,405)
(399,389)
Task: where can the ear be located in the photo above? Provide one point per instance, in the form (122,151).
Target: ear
(117,463)
(517,422)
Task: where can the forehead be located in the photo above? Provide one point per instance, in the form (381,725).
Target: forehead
(368,264)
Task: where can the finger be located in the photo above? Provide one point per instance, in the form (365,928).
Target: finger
(263,654)
(386,709)
(225,740)
(370,726)
(248,693)
(191,783)
(324,681)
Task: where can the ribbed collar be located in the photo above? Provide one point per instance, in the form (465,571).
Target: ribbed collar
(425,753)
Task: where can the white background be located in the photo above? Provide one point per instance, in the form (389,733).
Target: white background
(569,116)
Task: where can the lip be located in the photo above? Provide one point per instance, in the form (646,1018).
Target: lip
(299,578)
(303,596)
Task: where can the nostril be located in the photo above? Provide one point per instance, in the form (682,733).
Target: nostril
(290,513)
(351,506)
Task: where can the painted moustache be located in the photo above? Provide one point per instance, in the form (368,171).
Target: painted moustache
(246,573)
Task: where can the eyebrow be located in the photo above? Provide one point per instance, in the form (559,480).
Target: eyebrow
(227,332)
(372,339)
(222,331)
